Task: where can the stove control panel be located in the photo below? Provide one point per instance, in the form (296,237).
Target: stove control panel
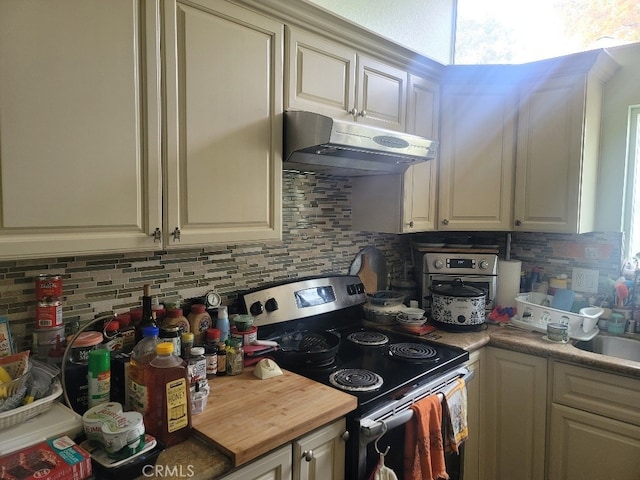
(303,298)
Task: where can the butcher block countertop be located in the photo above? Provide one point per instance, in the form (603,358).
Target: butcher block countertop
(247,417)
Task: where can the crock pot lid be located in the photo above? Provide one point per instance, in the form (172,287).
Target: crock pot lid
(456,289)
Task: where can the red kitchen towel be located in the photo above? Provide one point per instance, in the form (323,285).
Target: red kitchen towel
(423,447)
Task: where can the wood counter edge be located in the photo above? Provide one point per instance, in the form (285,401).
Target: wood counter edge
(346,404)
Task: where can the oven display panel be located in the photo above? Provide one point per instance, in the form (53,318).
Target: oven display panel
(310,297)
(461,263)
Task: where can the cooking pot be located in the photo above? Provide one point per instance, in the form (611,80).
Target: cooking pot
(457,306)
(307,347)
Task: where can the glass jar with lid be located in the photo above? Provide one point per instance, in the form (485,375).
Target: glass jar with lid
(235,357)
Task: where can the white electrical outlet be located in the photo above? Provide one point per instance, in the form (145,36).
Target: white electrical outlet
(585,280)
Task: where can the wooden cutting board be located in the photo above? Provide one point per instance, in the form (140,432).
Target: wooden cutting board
(247,417)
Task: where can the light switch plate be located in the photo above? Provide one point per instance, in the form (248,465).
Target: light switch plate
(585,280)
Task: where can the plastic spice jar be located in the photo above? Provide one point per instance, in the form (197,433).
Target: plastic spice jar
(83,344)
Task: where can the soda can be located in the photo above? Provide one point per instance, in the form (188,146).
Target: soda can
(48,286)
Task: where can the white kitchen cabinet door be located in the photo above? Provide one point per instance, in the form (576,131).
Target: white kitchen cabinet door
(477,156)
(381,94)
(336,80)
(320,454)
(515,415)
(473,457)
(320,75)
(224,124)
(583,445)
(80,132)
(275,465)
(558,145)
(403,203)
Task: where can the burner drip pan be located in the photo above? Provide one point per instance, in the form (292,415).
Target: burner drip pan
(413,352)
(368,338)
(356,380)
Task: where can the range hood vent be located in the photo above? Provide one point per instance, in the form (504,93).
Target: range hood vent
(317,143)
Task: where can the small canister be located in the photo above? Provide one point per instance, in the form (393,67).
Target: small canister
(616,323)
(245,338)
(558,332)
(49,313)
(171,334)
(83,344)
(630,326)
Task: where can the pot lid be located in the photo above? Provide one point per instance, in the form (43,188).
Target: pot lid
(457,288)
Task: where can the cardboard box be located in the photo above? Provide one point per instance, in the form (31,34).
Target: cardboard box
(55,459)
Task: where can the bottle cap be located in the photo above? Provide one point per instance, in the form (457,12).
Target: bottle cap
(198,308)
(174,312)
(213,333)
(187,337)
(164,348)
(150,331)
(197,351)
(99,360)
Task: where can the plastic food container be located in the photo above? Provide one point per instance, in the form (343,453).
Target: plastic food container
(83,344)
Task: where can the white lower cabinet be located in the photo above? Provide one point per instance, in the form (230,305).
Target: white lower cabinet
(515,415)
(595,425)
(275,465)
(473,455)
(319,455)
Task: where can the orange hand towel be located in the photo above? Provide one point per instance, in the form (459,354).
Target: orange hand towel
(423,448)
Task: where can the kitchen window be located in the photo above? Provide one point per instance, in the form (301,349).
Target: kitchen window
(632,219)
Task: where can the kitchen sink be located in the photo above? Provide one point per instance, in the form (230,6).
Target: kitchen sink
(619,347)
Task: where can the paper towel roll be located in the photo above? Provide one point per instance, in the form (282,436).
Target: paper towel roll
(508,282)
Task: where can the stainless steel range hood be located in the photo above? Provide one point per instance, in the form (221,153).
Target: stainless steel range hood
(317,143)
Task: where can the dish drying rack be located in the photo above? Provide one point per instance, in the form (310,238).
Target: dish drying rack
(534,313)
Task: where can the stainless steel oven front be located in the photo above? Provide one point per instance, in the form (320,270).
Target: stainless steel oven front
(475,269)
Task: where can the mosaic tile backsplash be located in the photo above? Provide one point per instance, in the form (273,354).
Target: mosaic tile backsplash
(317,239)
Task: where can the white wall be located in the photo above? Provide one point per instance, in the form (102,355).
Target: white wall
(425,26)
(621,92)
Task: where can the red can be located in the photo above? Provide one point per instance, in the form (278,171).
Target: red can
(48,286)
(49,313)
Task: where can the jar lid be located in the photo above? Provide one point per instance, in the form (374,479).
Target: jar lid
(112,326)
(164,348)
(86,339)
(170,329)
(188,336)
(213,333)
(124,319)
(197,351)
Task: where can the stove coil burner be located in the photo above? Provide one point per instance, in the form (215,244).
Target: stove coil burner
(373,339)
(413,352)
(355,380)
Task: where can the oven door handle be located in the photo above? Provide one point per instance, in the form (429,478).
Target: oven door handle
(375,429)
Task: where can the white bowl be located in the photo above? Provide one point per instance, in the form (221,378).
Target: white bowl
(413,313)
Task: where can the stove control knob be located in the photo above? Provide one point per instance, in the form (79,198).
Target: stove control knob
(483,264)
(351,289)
(256,309)
(360,287)
(438,264)
(271,305)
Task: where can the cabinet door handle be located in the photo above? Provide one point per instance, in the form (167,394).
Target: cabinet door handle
(157,235)
(307,455)
(345,436)
(354,112)
(517,223)
(363,113)
(176,234)
(410,224)
(445,222)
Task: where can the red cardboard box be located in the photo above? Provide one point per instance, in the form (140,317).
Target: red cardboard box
(55,459)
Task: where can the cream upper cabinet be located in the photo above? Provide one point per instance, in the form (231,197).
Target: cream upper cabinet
(477,150)
(595,425)
(80,129)
(515,415)
(321,453)
(336,80)
(558,143)
(223,80)
(403,203)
